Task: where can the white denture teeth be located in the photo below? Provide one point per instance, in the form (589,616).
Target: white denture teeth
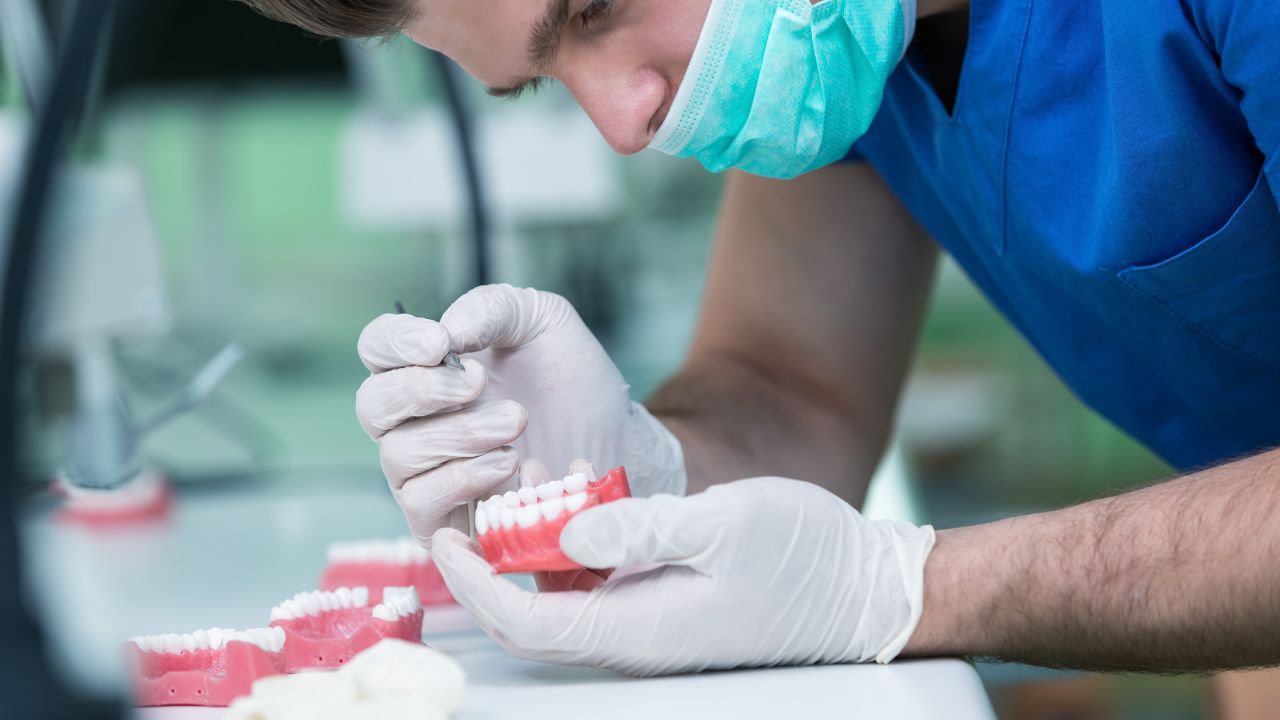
(527,516)
(269,639)
(397,602)
(526,506)
(319,601)
(551,508)
(400,551)
(575,483)
(574,503)
(551,490)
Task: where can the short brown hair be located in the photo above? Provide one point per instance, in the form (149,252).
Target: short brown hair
(340,18)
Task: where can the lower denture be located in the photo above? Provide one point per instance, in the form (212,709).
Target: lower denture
(536,548)
(211,676)
(378,564)
(326,629)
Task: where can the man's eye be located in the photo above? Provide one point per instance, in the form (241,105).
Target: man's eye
(595,10)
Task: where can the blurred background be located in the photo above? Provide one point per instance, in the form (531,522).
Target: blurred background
(279,191)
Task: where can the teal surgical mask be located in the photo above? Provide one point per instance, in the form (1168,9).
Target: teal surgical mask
(781,87)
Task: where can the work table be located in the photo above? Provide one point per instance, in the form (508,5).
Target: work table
(231,552)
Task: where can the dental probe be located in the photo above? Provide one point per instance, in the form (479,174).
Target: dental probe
(450,358)
(459,517)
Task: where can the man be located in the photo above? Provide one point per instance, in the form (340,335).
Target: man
(1105,172)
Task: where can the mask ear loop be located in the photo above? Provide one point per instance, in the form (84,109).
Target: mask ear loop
(690,102)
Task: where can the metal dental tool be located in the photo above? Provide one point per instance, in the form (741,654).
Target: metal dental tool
(451,358)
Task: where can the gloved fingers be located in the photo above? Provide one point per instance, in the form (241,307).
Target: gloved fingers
(395,341)
(417,446)
(503,316)
(534,472)
(428,499)
(388,399)
(519,620)
(663,530)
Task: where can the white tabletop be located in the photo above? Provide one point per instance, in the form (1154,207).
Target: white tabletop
(226,557)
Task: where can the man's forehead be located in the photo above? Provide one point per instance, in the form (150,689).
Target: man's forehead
(488,38)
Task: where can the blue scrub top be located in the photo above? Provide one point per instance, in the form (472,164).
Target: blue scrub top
(1110,179)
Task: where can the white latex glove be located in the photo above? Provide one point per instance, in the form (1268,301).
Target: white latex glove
(537,384)
(753,573)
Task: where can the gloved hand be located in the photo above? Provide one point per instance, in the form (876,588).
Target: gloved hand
(753,573)
(537,383)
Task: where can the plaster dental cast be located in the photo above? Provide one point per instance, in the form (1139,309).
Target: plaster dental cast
(1106,173)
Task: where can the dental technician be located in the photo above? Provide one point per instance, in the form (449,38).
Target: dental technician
(1107,173)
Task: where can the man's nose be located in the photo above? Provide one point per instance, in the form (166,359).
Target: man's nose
(625,107)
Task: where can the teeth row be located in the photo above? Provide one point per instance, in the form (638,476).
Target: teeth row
(528,505)
(131,494)
(401,551)
(318,601)
(397,602)
(270,639)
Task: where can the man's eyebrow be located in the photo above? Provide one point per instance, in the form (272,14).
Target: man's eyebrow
(543,45)
(511,92)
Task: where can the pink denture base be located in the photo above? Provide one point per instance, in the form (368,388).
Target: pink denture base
(537,548)
(333,637)
(201,677)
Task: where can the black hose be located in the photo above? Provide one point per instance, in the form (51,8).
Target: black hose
(461,117)
(26,678)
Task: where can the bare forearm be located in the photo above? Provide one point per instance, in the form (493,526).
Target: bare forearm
(735,421)
(1181,576)
(814,298)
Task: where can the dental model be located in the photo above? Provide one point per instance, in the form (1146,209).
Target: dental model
(325,629)
(207,667)
(520,531)
(146,498)
(377,564)
(393,679)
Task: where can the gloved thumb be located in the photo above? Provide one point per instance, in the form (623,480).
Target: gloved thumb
(662,530)
(502,316)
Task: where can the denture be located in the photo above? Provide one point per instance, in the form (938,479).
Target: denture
(379,564)
(146,498)
(325,629)
(520,531)
(207,667)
